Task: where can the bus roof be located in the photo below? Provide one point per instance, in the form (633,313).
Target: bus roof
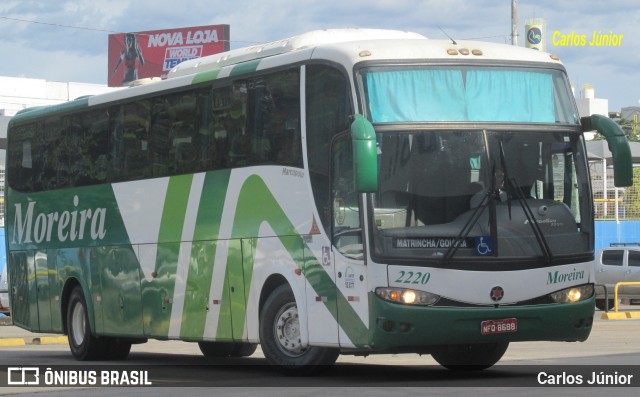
(355,45)
(296,43)
(346,46)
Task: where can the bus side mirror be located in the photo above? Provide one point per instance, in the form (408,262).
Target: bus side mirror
(365,154)
(618,145)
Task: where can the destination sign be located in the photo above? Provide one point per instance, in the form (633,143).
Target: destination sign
(431,242)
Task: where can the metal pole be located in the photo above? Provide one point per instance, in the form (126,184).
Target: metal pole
(514,22)
(604,190)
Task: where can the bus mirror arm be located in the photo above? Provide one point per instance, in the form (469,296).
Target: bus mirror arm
(365,154)
(618,145)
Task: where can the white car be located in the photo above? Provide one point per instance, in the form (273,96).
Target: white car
(613,265)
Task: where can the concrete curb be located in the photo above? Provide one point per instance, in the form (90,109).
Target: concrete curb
(620,315)
(50,340)
(12,342)
(40,340)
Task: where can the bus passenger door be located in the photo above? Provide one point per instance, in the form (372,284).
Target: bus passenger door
(348,248)
(21,270)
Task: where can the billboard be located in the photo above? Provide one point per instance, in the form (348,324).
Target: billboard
(139,55)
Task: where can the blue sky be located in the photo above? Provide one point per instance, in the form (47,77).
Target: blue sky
(48,50)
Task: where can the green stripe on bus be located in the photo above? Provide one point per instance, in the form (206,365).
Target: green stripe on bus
(245,67)
(248,218)
(175,208)
(203,253)
(205,76)
(168,251)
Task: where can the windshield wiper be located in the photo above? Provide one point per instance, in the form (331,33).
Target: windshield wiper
(488,200)
(466,229)
(537,231)
(513,186)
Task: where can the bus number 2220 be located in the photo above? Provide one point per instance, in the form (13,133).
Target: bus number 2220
(413,277)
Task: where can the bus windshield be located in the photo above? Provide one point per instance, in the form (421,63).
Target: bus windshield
(466,194)
(414,93)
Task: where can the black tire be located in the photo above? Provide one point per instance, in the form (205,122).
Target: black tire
(84,346)
(244,349)
(117,349)
(280,337)
(605,304)
(216,349)
(227,349)
(473,357)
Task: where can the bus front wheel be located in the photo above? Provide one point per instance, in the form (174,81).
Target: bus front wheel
(605,304)
(280,337)
(83,345)
(471,357)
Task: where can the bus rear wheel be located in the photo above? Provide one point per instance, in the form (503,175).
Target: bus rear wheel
(117,349)
(280,337)
(227,349)
(83,345)
(472,357)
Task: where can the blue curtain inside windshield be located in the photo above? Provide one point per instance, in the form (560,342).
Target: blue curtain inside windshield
(454,95)
(416,95)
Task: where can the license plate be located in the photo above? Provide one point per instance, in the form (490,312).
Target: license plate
(501,326)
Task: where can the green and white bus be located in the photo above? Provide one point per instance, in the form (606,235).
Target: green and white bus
(338,192)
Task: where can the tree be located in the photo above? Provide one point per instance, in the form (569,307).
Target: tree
(629,127)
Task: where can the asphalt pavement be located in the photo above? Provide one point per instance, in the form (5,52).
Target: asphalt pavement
(11,335)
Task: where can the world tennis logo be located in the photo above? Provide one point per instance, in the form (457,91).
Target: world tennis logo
(534,35)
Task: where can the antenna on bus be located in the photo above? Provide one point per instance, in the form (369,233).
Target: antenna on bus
(450,38)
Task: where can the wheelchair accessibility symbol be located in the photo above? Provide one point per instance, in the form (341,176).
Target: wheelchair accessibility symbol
(484,245)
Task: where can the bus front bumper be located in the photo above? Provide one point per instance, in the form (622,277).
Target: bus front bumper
(398,328)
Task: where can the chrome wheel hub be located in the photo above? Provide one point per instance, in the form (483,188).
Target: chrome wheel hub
(78,324)
(287,331)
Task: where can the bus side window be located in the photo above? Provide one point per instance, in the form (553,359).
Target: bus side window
(205,126)
(116,140)
(183,132)
(328,107)
(263,120)
(221,99)
(282,119)
(136,140)
(159,142)
(20,159)
(347,234)
(95,162)
(235,123)
(50,169)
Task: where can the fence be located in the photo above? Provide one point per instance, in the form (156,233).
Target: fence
(618,204)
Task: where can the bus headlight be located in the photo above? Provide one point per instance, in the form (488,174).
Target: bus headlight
(407,296)
(573,294)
